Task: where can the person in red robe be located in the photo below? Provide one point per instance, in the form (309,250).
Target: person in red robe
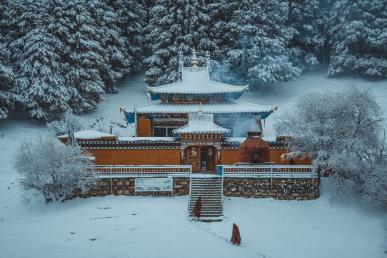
(197,208)
(236,236)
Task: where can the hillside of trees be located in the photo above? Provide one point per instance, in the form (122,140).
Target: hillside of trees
(59,56)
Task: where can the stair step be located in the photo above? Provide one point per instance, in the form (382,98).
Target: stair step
(209,215)
(209,211)
(203,213)
(210,190)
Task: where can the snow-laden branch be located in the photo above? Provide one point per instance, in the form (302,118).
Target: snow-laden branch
(55,170)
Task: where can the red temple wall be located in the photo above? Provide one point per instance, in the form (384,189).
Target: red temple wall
(229,157)
(172,157)
(137,157)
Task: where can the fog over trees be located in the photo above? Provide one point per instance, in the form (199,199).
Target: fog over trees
(60,56)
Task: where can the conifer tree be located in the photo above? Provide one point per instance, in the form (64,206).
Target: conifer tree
(358,38)
(174,26)
(221,28)
(40,84)
(304,17)
(85,59)
(7,98)
(262,56)
(130,23)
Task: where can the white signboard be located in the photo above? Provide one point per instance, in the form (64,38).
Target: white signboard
(154,184)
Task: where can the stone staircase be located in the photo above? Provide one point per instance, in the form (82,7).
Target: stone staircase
(210,189)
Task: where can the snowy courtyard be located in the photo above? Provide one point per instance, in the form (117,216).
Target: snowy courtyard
(158,227)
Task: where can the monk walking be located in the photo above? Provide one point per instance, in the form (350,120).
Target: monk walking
(197,210)
(236,236)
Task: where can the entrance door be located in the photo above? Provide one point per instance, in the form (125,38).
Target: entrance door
(203,158)
(207,159)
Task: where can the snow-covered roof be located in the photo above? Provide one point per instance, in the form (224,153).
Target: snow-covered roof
(215,108)
(196,80)
(242,139)
(201,123)
(89,134)
(146,139)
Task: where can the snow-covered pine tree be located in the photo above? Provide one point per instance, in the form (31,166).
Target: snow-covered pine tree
(86,60)
(221,30)
(35,52)
(174,26)
(304,17)
(40,85)
(108,35)
(20,17)
(358,38)
(120,33)
(262,56)
(130,23)
(7,98)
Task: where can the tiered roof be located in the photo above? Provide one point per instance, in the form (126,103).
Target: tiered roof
(200,123)
(214,108)
(196,81)
(195,89)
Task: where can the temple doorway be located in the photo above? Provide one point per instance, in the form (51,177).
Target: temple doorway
(201,158)
(207,159)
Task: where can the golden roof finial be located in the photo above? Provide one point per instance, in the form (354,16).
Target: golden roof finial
(194,58)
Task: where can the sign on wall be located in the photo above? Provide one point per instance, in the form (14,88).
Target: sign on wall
(154,184)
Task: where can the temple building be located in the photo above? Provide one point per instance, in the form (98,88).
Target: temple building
(172,103)
(196,138)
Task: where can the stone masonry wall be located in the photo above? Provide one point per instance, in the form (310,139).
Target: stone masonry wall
(278,188)
(125,186)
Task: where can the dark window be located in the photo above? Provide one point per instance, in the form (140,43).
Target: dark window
(159,132)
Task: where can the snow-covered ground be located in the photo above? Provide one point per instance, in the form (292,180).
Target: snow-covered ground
(158,227)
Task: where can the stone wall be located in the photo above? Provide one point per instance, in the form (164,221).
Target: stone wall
(278,188)
(125,186)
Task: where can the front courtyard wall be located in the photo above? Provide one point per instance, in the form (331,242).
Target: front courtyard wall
(126,186)
(277,188)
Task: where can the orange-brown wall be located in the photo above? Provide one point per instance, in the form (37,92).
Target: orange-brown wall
(136,157)
(144,127)
(229,157)
(172,157)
